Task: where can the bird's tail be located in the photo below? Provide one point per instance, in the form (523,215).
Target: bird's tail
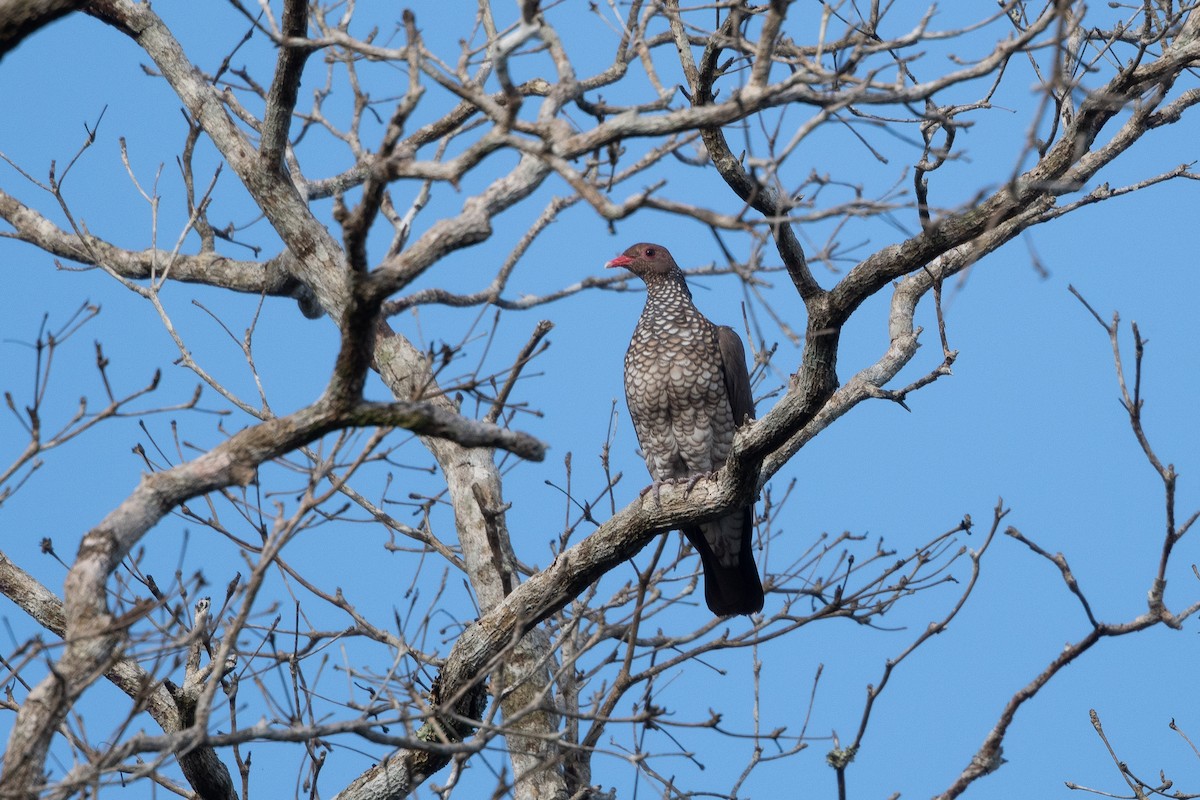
(731,583)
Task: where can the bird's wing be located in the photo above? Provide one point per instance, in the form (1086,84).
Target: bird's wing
(737,377)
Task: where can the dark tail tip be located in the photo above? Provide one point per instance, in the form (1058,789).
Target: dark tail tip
(733,590)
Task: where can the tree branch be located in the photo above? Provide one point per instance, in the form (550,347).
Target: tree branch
(281,100)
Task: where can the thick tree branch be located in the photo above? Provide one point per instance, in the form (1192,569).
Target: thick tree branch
(272,277)
(285,86)
(20,18)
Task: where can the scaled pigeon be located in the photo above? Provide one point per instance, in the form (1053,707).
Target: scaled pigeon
(688,390)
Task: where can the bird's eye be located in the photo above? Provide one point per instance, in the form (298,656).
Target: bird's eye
(651,252)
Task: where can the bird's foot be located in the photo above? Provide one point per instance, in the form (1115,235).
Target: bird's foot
(688,484)
(693,480)
(656,487)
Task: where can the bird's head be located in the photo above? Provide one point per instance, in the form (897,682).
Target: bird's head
(646,261)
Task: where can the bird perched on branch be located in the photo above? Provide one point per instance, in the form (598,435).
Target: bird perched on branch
(688,390)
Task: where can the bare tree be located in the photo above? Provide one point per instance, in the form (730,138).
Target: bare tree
(436,136)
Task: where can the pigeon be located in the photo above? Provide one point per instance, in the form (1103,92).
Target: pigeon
(688,391)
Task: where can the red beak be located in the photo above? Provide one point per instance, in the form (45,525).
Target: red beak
(619,261)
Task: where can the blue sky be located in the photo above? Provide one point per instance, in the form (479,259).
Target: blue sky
(1031,414)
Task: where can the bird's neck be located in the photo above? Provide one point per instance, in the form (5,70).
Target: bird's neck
(668,289)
